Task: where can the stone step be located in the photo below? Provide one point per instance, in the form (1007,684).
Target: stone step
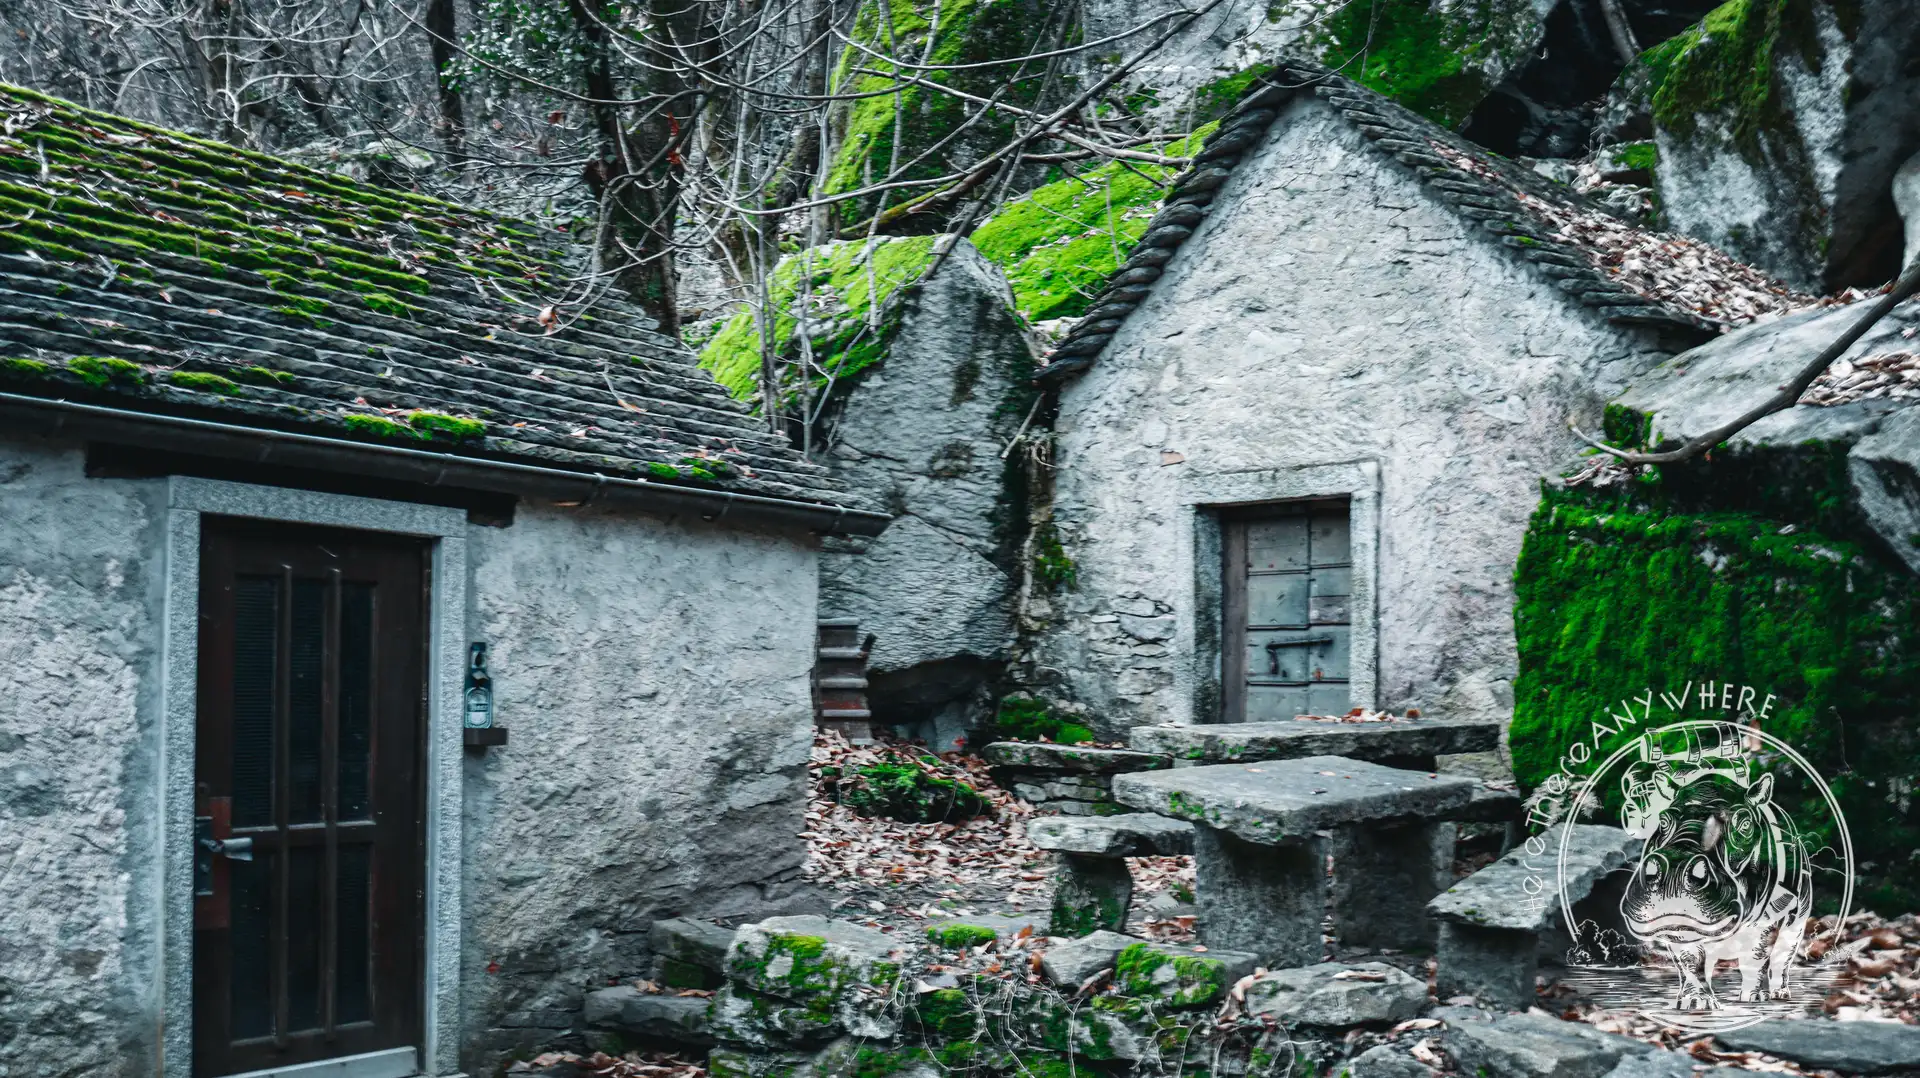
(843,683)
(842,654)
(845,713)
(1847,1047)
(697,943)
(1492,921)
(839,623)
(650,1017)
(1500,896)
(1135,834)
(1248,742)
(1047,756)
(1286,801)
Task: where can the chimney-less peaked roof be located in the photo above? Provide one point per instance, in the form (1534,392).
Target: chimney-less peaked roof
(1626,274)
(149,273)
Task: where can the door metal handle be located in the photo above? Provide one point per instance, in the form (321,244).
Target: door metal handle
(206,847)
(1274,646)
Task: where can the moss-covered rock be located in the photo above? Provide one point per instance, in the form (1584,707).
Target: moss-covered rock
(875,132)
(842,976)
(1025,717)
(847,292)
(1172,980)
(901,789)
(1746,569)
(1439,59)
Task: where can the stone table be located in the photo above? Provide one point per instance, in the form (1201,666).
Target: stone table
(1408,743)
(1259,864)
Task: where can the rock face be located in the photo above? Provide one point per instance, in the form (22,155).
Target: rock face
(1780,128)
(923,430)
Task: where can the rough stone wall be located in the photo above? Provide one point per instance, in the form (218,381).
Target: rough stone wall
(1800,185)
(653,679)
(1330,310)
(923,432)
(80,578)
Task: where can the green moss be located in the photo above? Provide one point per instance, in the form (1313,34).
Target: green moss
(857,282)
(1078,912)
(1023,717)
(904,791)
(947,1013)
(438,425)
(1215,99)
(662,471)
(1695,576)
(1638,156)
(1725,63)
(387,305)
(1051,565)
(968,32)
(1430,57)
(263,376)
(101,371)
(207,383)
(955,937)
(1059,243)
(377,425)
(1178,981)
(25,368)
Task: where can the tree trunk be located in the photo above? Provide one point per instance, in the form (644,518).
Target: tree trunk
(441,29)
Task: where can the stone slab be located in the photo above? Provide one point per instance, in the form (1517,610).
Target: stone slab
(1489,805)
(1520,891)
(1848,1047)
(650,1016)
(1663,1064)
(1286,801)
(1336,995)
(1247,742)
(699,943)
(1537,1046)
(1069,964)
(1133,834)
(1051,757)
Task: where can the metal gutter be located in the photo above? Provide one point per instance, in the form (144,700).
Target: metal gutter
(261,446)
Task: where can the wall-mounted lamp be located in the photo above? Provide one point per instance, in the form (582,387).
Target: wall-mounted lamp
(480,732)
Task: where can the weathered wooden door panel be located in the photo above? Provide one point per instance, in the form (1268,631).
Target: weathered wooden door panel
(1288,581)
(310,727)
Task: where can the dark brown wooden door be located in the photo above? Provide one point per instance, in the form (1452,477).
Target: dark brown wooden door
(310,740)
(1286,628)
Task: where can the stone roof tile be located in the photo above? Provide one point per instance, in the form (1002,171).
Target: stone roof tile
(150,271)
(1625,274)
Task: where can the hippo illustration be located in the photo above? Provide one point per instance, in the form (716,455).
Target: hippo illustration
(1723,875)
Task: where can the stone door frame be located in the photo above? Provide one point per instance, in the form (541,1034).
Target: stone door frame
(1204,496)
(188,499)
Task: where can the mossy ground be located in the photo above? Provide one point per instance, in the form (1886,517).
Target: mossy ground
(1747,569)
(903,790)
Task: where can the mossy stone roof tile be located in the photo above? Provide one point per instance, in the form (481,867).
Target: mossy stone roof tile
(152,271)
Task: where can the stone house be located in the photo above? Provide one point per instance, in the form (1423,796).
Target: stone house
(277,450)
(1299,438)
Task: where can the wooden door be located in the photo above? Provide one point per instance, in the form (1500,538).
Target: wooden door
(310,733)
(1286,611)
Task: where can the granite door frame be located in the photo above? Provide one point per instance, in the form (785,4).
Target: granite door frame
(1205,496)
(188,499)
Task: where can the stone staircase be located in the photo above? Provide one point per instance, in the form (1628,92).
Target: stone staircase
(840,679)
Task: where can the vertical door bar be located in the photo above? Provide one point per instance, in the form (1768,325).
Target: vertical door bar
(329,800)
(282,805)
(1233,614)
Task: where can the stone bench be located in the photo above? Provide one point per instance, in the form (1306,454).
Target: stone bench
(1491,923)
(1094,888)
(1260,867)
(1407,743)
(1065,779)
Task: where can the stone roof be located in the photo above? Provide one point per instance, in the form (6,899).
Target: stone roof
(1627,275)
(155,273)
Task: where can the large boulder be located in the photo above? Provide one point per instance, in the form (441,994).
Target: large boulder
(925,430)
(1780,127)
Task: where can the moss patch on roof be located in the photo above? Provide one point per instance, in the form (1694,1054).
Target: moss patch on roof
(1059,243)
(83,186)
